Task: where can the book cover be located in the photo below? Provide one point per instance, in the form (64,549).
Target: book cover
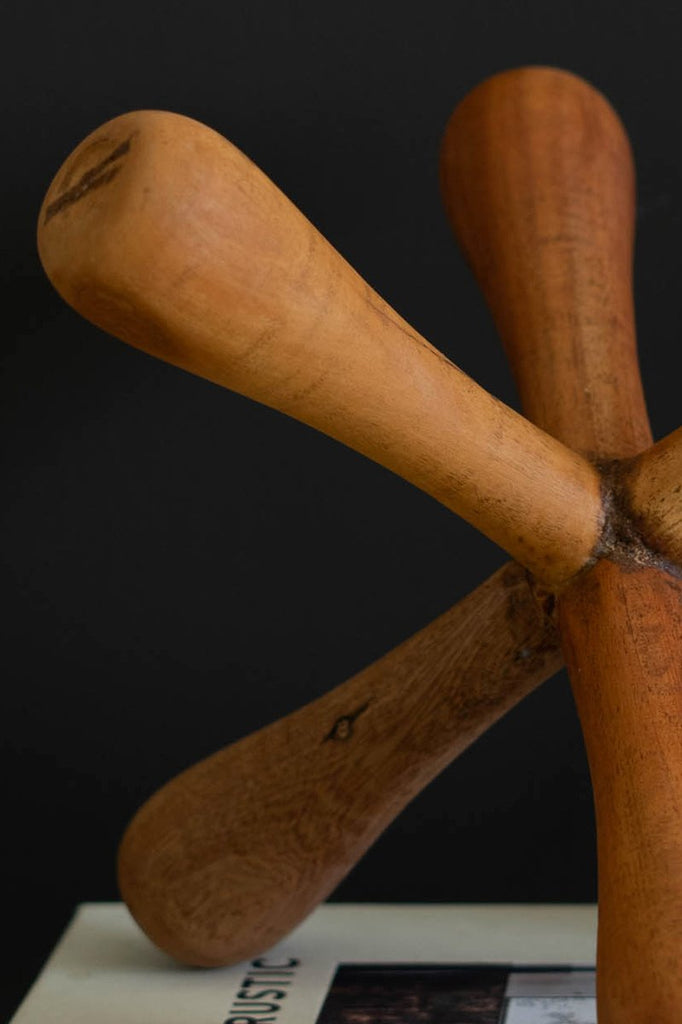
(347,964)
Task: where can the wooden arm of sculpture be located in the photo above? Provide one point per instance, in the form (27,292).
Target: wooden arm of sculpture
(539,185)
(191,865)
(161,232)
(651,489)
(233,853)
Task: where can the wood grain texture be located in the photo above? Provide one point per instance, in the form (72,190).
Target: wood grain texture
(621,630)
(538,182)
(229,856)
(161,232)
(652,490)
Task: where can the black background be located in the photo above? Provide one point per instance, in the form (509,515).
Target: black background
(181,566)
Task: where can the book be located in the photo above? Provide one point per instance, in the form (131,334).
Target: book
(346,964)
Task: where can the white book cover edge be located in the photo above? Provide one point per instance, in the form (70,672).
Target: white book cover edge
(105,971)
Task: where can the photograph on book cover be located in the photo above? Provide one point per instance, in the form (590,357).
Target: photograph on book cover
(459,994)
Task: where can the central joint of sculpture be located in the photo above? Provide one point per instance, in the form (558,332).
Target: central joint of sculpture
(162,233)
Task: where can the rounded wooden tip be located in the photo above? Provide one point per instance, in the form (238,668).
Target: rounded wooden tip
(523,138)
(130,215)
(538,182)
(538,87)
(93,182)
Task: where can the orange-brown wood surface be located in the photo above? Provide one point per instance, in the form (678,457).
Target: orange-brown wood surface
(538,182)
(652,492)
(233,853)
(621,630)
(161,232)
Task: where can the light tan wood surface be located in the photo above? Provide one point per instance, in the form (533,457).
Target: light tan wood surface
(539,185)
(160,231)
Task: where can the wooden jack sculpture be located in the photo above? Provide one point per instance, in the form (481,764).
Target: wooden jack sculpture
(162,233)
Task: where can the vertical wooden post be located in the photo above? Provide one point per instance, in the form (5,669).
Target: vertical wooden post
(539,185)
